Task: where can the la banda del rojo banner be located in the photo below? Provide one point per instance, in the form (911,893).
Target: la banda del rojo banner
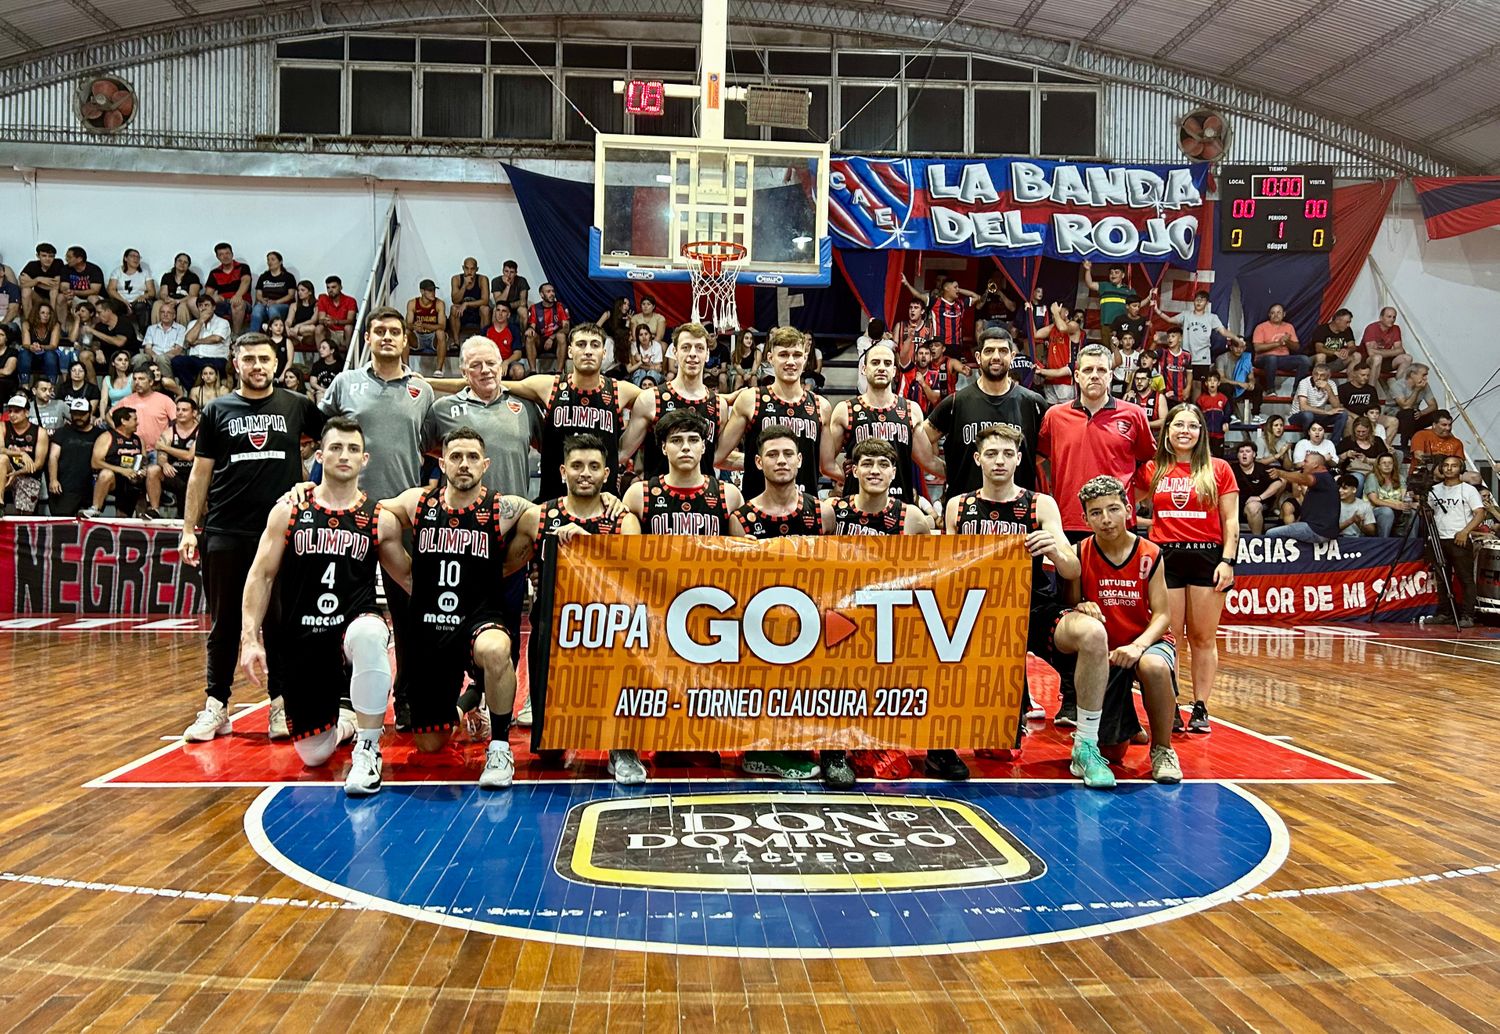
(1011,206)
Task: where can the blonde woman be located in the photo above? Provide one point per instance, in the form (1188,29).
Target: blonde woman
(1195,507)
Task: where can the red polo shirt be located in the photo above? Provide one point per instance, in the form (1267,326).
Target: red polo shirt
(1079,445)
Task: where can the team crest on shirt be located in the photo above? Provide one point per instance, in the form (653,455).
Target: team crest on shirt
(513,406)
(1180,489)
(1123,426)
(257,439)
(414,391)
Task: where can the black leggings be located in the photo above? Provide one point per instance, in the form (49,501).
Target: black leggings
(226,568)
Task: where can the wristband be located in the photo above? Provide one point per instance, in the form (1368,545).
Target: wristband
(1228,560)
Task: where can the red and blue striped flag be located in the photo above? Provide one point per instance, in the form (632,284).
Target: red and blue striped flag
(1455,205)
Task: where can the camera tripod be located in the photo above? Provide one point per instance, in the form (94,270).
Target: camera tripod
(1423,524)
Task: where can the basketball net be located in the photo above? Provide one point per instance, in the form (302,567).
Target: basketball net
(715,266)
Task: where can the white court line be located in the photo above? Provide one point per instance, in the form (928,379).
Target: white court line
(176,744)
(1435,653)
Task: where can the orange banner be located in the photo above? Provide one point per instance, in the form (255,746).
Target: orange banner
(871,642)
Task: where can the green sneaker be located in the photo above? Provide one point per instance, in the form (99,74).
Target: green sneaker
(781,764)
(1090,765)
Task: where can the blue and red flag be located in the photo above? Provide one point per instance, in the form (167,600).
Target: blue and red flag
(1454,205)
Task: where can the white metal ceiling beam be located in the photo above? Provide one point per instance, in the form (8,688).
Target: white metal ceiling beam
(1280,36)
(1431,83)
(1395,35)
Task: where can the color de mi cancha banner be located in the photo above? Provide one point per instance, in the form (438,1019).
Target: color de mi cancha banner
(1281,582)
(665,642)
(1015,207)
(68,566)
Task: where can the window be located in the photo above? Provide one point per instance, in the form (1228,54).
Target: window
(594,55)
(869,116)
(746,62)
(736,126)
(817,117)
(801,62)
(310,100)
(663,59)
(676,118)
(1000,72)
(380,102)
(382,48)
(453,104)
(329,48)
(937,66)
(1002,121)
(935,119)
(869,66)
(453,51)
(507,53)
(1068,123)
(523,107)
(596,98)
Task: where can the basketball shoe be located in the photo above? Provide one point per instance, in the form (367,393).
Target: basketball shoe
(276,720)
(1198,720)
(626,767)
(212,721)
(499,767)
(1089,765)
(887,766)
(781,764)
(365,766)
(476,723)
(837,774)
(523,716)
(1165,767)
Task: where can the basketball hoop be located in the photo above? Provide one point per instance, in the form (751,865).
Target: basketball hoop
(714,266)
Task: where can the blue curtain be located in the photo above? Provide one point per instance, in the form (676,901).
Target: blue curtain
(557,214)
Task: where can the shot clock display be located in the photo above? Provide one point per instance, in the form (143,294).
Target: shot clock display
(1276,208)
(645,97)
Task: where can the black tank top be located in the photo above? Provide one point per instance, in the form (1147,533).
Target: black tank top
(327,575)
(806,519)
(973,410)
(890,424)
(848,520)
(555,514)
(457,561)
(654,461)
(805,420)
(570,411)
(977,516)
(125,452)
(180,441)
(22,440)
(679,511)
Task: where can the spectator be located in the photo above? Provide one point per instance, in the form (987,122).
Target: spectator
(499,331)
(23,449)
(1356,516)
(209,386)
(1381,342)
(1276,450)
(470,292)
(646,355)
(745,359)
(322,372)
(1055,367)
(83,281)
(112,332)
(1256,487)
(79,385)
(1115,294)
(70,467)
(428,318)
(716,367)
(1176,366)
(1215,407)
(120,460)
(293,378)
(949,372)
(1276,349)
(1198,329)
(1320,506)
(207,342)
(154,410)
(10,300)
(40,337)
(993,309)
(947,313)
(10,365)
(514,291)
(1333,342)
(42,280)
(617,324)
(547,331)
(1236,370)
(174,458)
(178,291)
(335,318)
(116,385)
(1316,441)
(1359,451)
(302,318)
(1147,363)
(164,382)
(132,287)
(919,381)
(1437,442)
(1149,399)
(812,373)
(1415,406)
(275,290)
(1127,356)
(286,349)
(1358,397)
(1387,495)
(1457,510)
(165,338)
(48,410)
(228,286)
(1316,402)
(914,331)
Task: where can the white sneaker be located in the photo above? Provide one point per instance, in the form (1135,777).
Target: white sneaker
(347,725)
(89,513)
(1164,765)
(476,723)
(276,722)
(523,717)
(499,767)
(1037,712)
(212,721)
(626,767)
(364,770)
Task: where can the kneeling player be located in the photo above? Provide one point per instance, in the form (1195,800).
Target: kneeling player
(321,554)
(1123,583)
(455,575)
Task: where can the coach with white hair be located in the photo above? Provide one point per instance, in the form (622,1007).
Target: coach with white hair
(511,426)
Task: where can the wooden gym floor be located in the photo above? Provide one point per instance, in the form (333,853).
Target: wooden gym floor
(142,903)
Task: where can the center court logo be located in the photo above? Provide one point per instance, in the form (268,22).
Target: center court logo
(790,842)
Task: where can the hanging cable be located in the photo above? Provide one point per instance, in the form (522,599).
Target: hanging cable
(551,81)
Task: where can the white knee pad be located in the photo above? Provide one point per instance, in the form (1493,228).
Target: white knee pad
(366,647)
(316,750)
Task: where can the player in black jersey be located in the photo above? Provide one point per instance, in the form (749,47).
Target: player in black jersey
(581,511)
(877,413)
(1056,634)
(584,400)
(320,555)
(686,390)
(783,508)
(684,501)
(455,574)
(786,402)
(174,455)
(873,510)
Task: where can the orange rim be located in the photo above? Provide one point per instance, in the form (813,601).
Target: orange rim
(713,254)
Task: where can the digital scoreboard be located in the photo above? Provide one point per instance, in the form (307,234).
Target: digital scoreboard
(645,97)
(1275,208)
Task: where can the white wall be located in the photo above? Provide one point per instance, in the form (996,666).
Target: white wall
(321,227)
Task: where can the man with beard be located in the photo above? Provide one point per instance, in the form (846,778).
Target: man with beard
(320,556)
(70,460)
(249,453)
(993,399)
(784,402)
(686,390)
(457,623)
(579,512)
(175,450)
(877,413)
